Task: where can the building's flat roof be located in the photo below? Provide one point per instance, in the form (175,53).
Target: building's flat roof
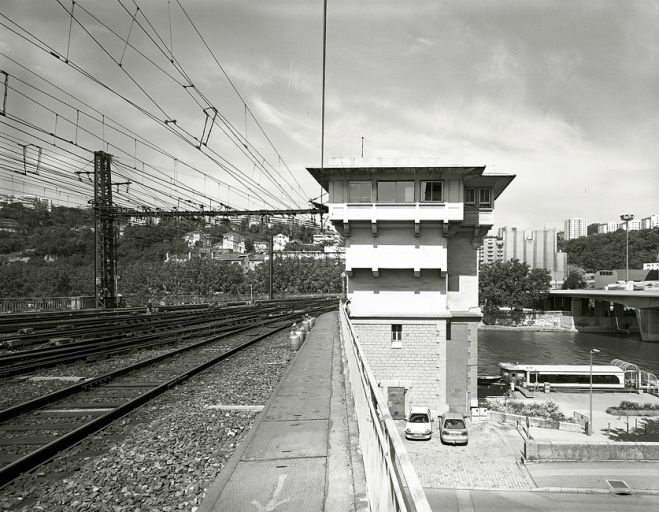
(647,293)
(337,166)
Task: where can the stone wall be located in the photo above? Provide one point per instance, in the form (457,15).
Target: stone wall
(417,363)
(589,451)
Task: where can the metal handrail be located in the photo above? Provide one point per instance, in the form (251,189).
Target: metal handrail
(391,479)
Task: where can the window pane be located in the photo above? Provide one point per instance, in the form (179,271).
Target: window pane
(386,191)
(484,200)
(432,190)
(405,192)
(470,196)
(359,192)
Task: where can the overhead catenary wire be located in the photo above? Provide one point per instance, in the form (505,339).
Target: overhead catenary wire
(179,132)
(244,143)
(251,189)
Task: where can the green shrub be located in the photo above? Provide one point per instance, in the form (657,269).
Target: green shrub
(628,405)
(547,410)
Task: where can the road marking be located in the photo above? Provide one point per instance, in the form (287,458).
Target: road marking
(465,504)
(274,501)
(221,407)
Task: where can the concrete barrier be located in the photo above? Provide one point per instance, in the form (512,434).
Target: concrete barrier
(589,451)
(504,417)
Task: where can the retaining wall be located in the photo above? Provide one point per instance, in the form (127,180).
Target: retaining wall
(504,417)
(589,451)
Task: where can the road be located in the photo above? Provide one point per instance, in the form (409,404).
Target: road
(451,500)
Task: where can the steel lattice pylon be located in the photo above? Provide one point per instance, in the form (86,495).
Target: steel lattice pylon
(106,262)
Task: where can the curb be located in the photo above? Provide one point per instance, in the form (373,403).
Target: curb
(571,490)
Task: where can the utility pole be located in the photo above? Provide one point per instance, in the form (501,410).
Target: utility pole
(270,269)
(106,261)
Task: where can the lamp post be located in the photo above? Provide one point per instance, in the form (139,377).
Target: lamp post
(627,217)
(590,417)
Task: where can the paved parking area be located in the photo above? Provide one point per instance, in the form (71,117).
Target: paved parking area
(491,460)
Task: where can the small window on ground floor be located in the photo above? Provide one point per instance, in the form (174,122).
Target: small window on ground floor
(396,336)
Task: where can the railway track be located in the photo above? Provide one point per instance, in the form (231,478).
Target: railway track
(114,340)
(35,431)
(24,331)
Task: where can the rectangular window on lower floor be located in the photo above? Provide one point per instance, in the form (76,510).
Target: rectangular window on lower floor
(396,336)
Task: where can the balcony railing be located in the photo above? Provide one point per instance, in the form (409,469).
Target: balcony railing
(416,212)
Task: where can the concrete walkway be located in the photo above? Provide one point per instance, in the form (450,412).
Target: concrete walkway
(297,456)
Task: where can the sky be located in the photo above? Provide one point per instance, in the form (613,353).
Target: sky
(563,94)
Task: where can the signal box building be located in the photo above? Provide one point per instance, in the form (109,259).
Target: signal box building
(412,231)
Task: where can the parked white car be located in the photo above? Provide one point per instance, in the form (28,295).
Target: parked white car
(453,429)
(419,423)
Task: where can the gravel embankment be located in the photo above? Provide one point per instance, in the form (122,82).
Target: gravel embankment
(163,456)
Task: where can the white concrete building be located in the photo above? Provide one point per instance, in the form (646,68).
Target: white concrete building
(412,231)
(575,228)
(650,222)
(491,250)
(232,242)
(279,242)
(538,249)
(608,227)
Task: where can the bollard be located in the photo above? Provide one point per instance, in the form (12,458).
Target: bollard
(294,339)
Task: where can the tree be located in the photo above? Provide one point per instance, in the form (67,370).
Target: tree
(512,284)
(574,281)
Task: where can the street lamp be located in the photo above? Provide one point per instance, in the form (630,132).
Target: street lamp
(590,418)
(627,217)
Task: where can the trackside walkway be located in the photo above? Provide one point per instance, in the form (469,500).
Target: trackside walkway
(297,456)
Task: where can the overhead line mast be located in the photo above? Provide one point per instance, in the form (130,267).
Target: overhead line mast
(105,214)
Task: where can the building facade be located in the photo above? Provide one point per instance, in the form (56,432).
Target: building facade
(538,249)
(412,232)
(491,250)
(650,222)
(575,228)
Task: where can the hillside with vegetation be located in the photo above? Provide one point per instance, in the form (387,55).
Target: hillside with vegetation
(606,251)
(51,253)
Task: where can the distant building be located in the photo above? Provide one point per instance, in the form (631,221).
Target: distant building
(327,238)
(232,242)
(197,239)
(651,266)
(538,249)
(490,252)
(608,227)
(604,278)
(575,228)
(650,222)
(279,242)
(144,221)
(634,225)
(260,246)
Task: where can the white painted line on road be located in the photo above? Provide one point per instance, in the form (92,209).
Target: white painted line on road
(465,504)
(221,407)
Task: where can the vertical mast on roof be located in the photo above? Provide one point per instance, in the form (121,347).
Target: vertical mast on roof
(322,110)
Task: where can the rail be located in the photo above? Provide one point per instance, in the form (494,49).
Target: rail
(391,480)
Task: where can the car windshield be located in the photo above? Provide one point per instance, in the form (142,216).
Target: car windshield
(418,418)
(454,424)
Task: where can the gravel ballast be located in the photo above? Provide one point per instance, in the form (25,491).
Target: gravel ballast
(163,456)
